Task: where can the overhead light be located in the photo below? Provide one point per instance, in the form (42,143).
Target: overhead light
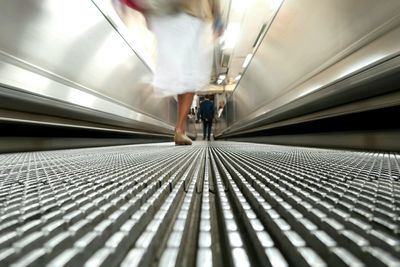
(247,60)
(222,76)
(222,40)
(237,78)
(274,4)
(241,6)
(231,35)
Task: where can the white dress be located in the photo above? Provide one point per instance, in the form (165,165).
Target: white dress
(184,53)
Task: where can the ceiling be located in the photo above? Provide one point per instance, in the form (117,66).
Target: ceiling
(246,23)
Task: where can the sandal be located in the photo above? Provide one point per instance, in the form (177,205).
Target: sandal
(182,139)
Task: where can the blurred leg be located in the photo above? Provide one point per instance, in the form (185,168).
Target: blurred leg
(184,103)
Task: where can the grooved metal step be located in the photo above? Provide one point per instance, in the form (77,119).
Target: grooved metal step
(210,204)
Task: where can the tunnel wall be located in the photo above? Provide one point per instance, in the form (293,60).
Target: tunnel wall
(315,56)
(66,59)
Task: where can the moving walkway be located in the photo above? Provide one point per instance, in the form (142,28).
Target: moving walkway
(303,169)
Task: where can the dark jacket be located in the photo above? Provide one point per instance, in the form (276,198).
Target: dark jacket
(207,110)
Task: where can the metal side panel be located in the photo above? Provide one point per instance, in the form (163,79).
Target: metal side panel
(210,204)
(69,52)
(317,55)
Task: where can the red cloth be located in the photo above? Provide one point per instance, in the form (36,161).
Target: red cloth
(132,4)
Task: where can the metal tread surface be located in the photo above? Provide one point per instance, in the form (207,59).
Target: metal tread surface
(210,204)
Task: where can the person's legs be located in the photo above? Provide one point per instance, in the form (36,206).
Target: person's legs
(184,103)
(204,129)
(209,130)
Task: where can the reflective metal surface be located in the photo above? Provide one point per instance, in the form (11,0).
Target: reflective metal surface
(69,52)
(309,61)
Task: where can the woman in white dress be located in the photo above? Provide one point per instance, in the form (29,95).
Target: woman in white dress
(184,55)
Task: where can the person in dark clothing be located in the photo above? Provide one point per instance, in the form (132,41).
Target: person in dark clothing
(207,116)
